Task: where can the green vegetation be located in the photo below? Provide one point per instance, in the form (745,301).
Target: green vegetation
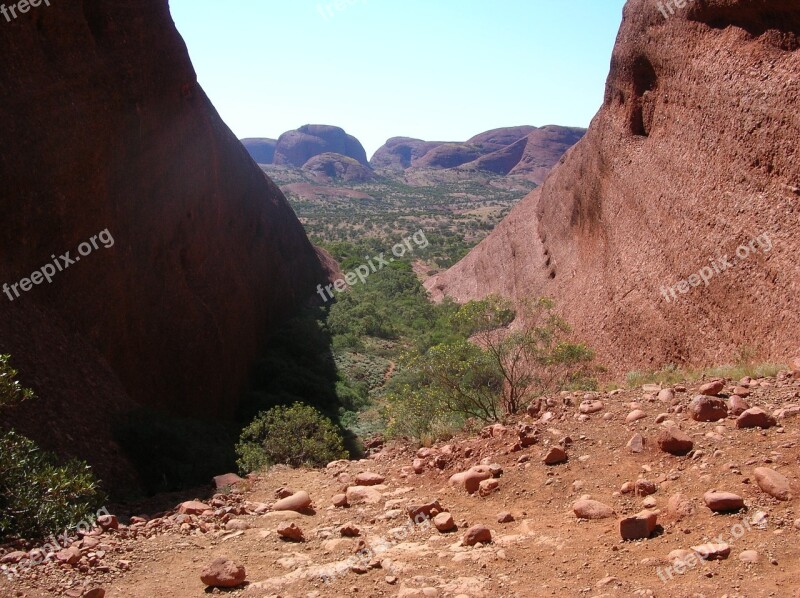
(298,436)
(455,209)
(487,371)
(38,494)
(11,391)
(405,366)
(672,374)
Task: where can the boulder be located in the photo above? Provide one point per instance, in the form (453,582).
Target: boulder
(193,507)
(423,511)
(368,478)
(228,480)
(712,551)
(713,388)
(298,502)
(737,405)
(638,527)
(708,409)
(636,443)
(444,522)
(755,418)
(773,483)
(291,532)
(723,502)
(675,441)
(357,495)
(223,573)
(470,480)
(555,456)
(591,509)
(477,534)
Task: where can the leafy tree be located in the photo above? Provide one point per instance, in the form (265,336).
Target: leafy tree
(494,362)
(533,359)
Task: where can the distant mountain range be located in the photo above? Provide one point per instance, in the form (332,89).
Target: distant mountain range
(330,153)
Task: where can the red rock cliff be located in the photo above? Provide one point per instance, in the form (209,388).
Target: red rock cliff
(105,127)
(693,154)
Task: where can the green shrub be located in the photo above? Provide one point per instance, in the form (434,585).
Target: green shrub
(11,390)
(39,496)
(297,435)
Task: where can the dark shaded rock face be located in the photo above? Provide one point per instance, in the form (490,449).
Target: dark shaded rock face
(691,161)
(295,148)
(261,150)
(398,153)
(336,167)
(106,128)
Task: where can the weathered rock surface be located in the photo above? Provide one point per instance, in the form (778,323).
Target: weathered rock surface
(399,153)
(683,163)
(111,130)
(524,151)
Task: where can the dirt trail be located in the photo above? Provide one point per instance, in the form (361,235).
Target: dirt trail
(545,551)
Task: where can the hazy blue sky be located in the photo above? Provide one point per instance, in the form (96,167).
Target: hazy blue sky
(433,69)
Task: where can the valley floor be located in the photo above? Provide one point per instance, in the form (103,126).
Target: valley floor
(545,551)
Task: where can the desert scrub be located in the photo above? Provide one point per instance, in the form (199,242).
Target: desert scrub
(39,495)
(297,436)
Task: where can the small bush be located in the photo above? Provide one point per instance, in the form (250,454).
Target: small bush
(297,435)
(39,496)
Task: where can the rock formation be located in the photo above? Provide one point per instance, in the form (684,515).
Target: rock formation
(691,159)
(526,151)
(295,148)
(398,153)
(330,167)
(111,132)
(260,149)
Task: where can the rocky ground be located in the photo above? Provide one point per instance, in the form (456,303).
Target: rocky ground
(678,469)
